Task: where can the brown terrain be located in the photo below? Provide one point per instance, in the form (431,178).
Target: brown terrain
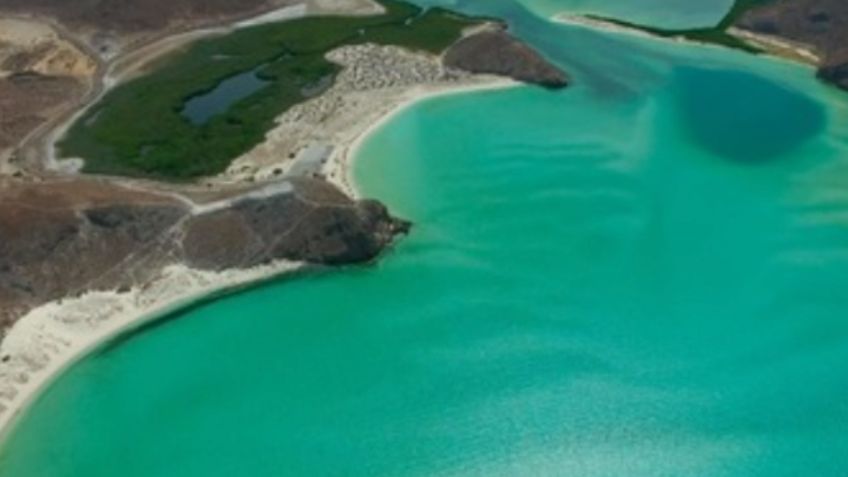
(499,53)
(68,236)
(42,75)
(64,235)
(820,24)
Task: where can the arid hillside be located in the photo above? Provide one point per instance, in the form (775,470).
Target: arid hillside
(820,24)
(127,16)
(42,75)
(65,237)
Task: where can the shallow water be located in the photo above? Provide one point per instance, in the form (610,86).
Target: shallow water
(639,276)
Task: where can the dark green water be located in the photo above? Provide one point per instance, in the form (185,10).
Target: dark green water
(639,276)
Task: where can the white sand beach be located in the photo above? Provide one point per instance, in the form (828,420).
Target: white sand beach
(772,45)
(377,83)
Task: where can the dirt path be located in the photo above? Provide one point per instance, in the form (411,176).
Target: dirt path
(36,154)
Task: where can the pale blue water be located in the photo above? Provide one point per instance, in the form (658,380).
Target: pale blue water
(200,109)
(639,276)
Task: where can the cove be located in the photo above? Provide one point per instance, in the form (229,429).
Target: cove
(592,288)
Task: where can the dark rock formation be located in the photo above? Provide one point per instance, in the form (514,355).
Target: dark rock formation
(314,223)
(499,53)
(820,24)
(835,74)
(63,238)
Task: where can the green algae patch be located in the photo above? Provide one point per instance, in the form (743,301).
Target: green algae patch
(139,129)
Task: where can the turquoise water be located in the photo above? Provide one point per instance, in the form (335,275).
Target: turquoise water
(639,276)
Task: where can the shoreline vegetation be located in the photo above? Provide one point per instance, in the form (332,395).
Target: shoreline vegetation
(727,33)
(137,129)
(717,35)
(811,32)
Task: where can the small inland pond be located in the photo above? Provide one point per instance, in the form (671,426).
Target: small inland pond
(199,109)
(202,107)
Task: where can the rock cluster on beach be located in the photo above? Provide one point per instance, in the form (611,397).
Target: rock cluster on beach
(374,80)
(67,237)
(312,222)
(499,53)
(367,68)
(819,24)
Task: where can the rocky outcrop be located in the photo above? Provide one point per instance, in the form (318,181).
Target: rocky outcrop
(820,24)
(42,75)
(835,74)
(314,222)
(499,53)
(61,239)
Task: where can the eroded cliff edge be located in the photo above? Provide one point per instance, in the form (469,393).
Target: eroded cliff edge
(496,52)
(64,238)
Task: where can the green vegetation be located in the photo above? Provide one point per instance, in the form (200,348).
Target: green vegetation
(138,129)
(739,8)
(717,35)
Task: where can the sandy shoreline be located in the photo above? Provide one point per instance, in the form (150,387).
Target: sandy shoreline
(339,169)
(772,45)
(70,329)
(777,46)
(54,336)
(118,69)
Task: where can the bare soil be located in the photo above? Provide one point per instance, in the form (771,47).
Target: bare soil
(821,24)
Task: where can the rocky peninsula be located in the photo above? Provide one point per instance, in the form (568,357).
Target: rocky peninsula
(84,257)
(809,31)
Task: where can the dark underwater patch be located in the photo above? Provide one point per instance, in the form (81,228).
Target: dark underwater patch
(744,117)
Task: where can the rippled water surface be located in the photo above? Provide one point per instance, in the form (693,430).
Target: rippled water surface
(642,275)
